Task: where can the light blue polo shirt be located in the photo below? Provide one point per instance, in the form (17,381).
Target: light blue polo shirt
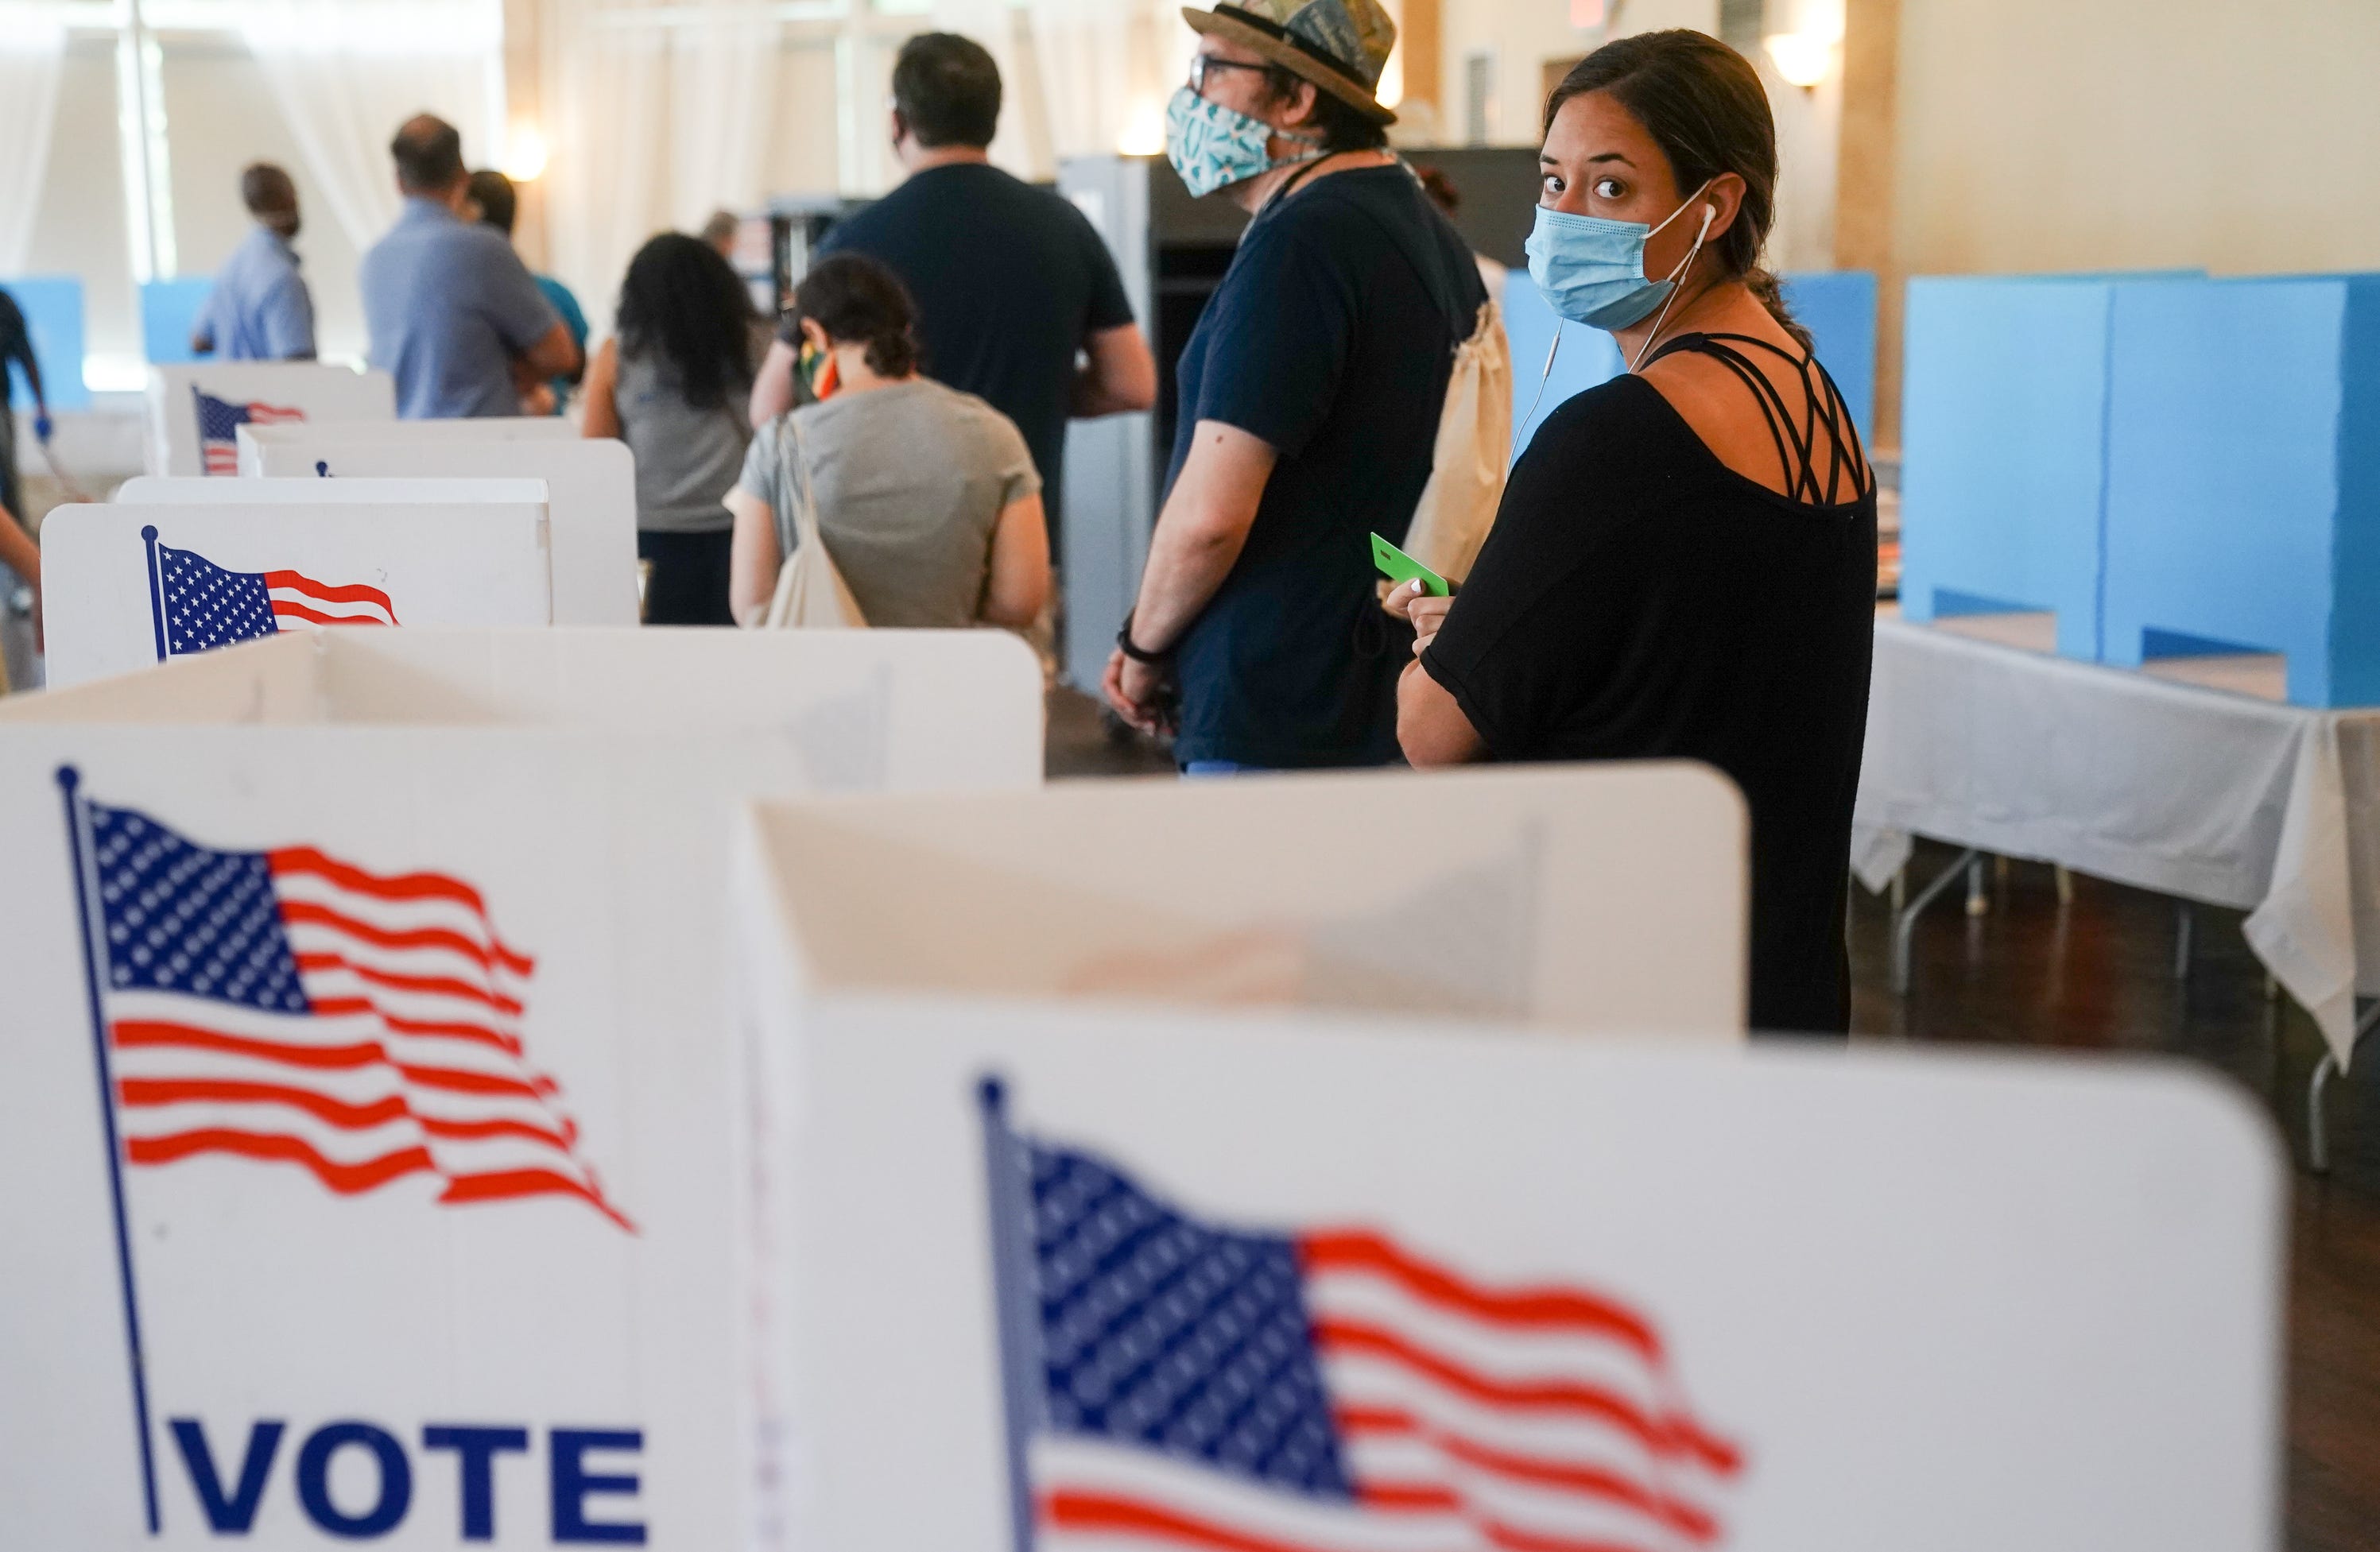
(259,308)
(449,305)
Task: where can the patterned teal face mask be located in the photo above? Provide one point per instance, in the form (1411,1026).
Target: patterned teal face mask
(1213,147)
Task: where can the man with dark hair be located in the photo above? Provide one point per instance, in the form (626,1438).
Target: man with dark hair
(259,308)
(1311,393)
(495,202)
(454,315)
(1018,301)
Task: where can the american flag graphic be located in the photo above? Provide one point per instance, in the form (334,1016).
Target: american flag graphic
(198,606)
(291,1007)
(1175,1383)
(219,424)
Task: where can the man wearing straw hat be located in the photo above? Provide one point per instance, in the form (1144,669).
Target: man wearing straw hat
(1310,396)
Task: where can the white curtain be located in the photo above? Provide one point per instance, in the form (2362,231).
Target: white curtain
(345,73)
(32,54)
(658,113)
(1082,77)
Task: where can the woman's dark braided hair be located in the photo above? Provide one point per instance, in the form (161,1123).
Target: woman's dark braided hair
(1703,104)
(682,300)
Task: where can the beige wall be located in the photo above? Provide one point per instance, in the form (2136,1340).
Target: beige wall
(2091,134)
(2047,135)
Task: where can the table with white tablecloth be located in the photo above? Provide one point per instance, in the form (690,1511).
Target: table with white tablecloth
(2191,778)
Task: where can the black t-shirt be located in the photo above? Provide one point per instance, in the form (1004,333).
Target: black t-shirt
(1638,599)
(1331,338)
(1010,282)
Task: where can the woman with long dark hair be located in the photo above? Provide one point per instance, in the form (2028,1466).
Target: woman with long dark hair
(675,384)
(1684,565)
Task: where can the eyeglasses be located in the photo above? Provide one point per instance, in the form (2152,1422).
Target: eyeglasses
(1201,64)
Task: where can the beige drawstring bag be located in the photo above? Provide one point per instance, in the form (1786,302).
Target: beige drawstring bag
(1467,466)
(811,594)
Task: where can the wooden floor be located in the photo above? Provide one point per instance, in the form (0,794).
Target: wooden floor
(2097,973)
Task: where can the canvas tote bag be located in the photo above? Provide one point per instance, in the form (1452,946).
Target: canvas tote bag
(811,594)
(1474,439)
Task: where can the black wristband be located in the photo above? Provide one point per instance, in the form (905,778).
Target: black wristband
(1124,645)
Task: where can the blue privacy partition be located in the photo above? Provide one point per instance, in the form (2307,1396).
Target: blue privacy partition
(2243,498)
(1588,357)
(53,309)
(1838,308)
(2003,449)
(169,310)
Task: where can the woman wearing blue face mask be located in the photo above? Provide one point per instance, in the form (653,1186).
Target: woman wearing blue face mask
(1684,565)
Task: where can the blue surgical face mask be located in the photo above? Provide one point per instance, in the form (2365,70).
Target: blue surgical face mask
(1213,147)
(1591,270)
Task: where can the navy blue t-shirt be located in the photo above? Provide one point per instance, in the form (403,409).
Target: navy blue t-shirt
(1331,338)
(1009,281)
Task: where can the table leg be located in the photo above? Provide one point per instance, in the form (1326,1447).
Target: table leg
(2185,932)
(2317,1123)
(1904,921)
(2317,1128)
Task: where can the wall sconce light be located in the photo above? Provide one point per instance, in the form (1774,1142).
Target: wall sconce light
(1802,59)
(524,154)
(1144,132)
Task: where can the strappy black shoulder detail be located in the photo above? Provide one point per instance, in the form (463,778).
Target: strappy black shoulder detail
(1796,443)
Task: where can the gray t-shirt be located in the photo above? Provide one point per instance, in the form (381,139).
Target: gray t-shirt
(910,480)
(686,458)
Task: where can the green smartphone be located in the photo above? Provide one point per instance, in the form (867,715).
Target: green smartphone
(1398,567)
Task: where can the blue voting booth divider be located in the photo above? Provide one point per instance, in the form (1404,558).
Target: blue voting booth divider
(2243,486)
(1838,308)
(53,309)
(2003,449)
(169,310)
(1588,357)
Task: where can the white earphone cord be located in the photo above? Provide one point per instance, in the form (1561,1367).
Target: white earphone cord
(1710,213)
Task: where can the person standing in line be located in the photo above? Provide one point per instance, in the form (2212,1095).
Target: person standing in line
(453,315)
(1310,398)
(17,350)
(721,232)
(1684,565)
(259,308)
(674,384)
(1018,301)
(495,202)
(926,498)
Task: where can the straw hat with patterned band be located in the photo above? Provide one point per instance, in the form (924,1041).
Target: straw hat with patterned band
(1339,45)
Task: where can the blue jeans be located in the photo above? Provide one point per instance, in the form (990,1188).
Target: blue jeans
(1200,770)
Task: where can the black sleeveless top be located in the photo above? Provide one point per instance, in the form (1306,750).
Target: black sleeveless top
(1639,600)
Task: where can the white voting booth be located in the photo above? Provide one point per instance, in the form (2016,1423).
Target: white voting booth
(197,412)
(1609,899)
(152,491)
(400,961)
(1113,1269)
(591,487)
(1432,1289)
(476,428)
(128,586)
